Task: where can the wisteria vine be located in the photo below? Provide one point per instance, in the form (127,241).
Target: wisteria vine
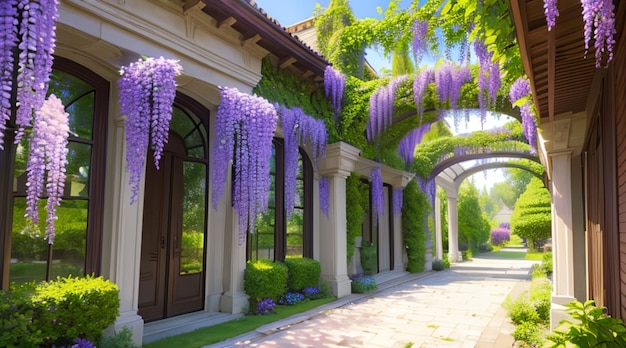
(551,12)
(147,92)
(424,78)
(397,200)
(449,79)
(521,89)
(420,40)
(488,78)
(48,154)
(324,195)
(334,85)
(378,195)
(406,147)
(244,130)
(381,108)
(28,27)
(299,127)
(601,15)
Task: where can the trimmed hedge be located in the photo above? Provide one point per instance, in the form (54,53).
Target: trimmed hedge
(58,312)
(264,279)
(302,273)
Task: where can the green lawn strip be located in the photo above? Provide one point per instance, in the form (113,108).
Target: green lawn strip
(220,332)
(515,241)
(519,255)
(534,255)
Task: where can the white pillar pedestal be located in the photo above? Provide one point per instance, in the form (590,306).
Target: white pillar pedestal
(453,228)
(562,236)
(339,162)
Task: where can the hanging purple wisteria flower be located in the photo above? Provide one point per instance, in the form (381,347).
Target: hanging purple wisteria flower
(488,78)
(324,195)
(381,108)
(420,34)
(406,147)
(601,15)
(378,195)
(449,79)
(520,89)
(334,85)
(147,92)
(299,128)
(551,12)
(29,27)
(244,130)
(48,154)
(397,200)
(421,82)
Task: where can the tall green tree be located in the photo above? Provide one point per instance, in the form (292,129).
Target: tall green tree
(532,217)
(473,225)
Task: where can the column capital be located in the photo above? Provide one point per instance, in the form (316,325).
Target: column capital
(564,152)
(340,160)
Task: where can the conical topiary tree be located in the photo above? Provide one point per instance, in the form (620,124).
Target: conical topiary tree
(531,217)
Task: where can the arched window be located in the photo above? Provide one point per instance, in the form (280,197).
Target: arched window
(76,248)
(275,237)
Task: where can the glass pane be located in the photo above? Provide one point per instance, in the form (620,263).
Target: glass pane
(81,116)
(29,251)
(77,179)
(295,230)
(181,123)
(261,242)
(194,211)
(77,96)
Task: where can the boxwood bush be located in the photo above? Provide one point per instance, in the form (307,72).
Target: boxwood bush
(58,312)
(264,279)
(302,273)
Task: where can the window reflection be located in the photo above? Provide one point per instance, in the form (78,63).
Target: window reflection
(192,241)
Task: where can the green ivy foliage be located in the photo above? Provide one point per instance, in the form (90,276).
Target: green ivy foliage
(357,199)
(415,209)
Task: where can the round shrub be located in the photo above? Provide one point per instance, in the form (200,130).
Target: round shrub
(437,265)
(264,279)
(303,273)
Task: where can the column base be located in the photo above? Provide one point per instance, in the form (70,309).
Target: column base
(131,320)
(458,258)
(342,285)
(558,311)
(234,303)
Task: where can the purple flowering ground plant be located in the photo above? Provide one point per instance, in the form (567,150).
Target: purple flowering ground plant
(291,298)
(244,130)
(500,236)
(82,343)
(265,306)
(147,92)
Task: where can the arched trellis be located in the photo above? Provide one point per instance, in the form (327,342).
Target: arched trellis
(495,165)
(441,166)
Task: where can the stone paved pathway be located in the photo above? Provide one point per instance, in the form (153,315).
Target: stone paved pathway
(458,307)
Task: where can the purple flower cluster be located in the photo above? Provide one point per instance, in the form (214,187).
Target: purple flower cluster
(291,298)
(397,200)
(420,34)
(309,292)
(488,78)
(520,89)
(449,79)
(381,108)
(29,27)
(406,147)
(324,195)
(265,306)
(48,153)
(599,14)
(334,85)
(551,12)
(378,193)
(500,236)
(244,130)
(82,343)
(298,127)
(8,40)
(505,225)
(147,92)
(421,82)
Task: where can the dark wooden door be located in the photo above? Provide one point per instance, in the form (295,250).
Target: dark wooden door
(164,289)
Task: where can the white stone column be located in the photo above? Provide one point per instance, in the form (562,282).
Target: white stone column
(562,236)
(453,227)
(438,235)
(339,162)
(121,243)
(234,299)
